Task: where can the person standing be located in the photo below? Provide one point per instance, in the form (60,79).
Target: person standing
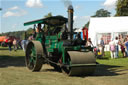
(116,41)
(126,46)
(10,45)
(112,49)
(121,43)
(89,44)
(15,44)
(30,37)
(23,44)
(102,46)
(127,37)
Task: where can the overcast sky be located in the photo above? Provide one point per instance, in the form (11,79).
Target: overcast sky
(15,12)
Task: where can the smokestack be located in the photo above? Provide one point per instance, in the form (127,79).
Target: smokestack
(70,21)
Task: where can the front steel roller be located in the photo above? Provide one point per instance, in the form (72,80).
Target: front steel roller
(81,63)
(34,56)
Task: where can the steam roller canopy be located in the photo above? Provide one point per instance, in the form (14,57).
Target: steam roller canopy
(82,63)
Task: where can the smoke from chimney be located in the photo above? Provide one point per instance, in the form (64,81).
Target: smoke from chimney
(67,3)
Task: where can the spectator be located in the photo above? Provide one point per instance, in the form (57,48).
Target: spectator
(102,46)
(116,41)
(126,46)
(24,44)
(15,44)
(30,37)
(19,44)
(89,43)
(10,45)
(99,51)
(121,43)
(112,49)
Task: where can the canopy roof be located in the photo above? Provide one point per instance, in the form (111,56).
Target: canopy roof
(53,21)
(107,25)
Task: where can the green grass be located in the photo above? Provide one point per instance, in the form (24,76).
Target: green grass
(14,72)
(119,62)
(123,62)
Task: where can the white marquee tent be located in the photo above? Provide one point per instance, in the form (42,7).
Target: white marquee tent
(110,25)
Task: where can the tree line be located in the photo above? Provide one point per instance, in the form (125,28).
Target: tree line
(19,34)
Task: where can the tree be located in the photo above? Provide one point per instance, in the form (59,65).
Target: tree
(100,13)
(0,9)
(122,8)
(87,24)
(48,15)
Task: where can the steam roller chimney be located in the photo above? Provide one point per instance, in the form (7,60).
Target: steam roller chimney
(70,21)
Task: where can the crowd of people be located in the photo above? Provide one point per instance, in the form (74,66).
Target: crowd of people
(16,44)
(114,46)
(22,44)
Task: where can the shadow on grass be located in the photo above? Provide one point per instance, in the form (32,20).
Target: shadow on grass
(101,70)
(6,61)
(50,70)
(103,58)
(106,70)
(4,48)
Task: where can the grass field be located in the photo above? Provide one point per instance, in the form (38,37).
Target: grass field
(14,72)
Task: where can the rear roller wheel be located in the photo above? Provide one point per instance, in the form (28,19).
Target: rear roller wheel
(34,56)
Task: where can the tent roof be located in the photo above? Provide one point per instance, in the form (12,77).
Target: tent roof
(109,24)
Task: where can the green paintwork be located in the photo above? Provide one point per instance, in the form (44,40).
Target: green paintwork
(39,36)
(53,42)
(33,55)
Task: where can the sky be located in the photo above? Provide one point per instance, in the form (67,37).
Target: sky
(15,12)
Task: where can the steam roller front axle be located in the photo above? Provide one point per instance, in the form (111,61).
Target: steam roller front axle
(81,63)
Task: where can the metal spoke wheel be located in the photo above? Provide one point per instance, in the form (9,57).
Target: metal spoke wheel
(34,56)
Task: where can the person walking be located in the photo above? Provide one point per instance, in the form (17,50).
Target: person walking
(116,41)
(102,46)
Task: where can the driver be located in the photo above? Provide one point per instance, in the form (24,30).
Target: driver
(39,33)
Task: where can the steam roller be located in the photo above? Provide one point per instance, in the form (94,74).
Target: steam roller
(59,46)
